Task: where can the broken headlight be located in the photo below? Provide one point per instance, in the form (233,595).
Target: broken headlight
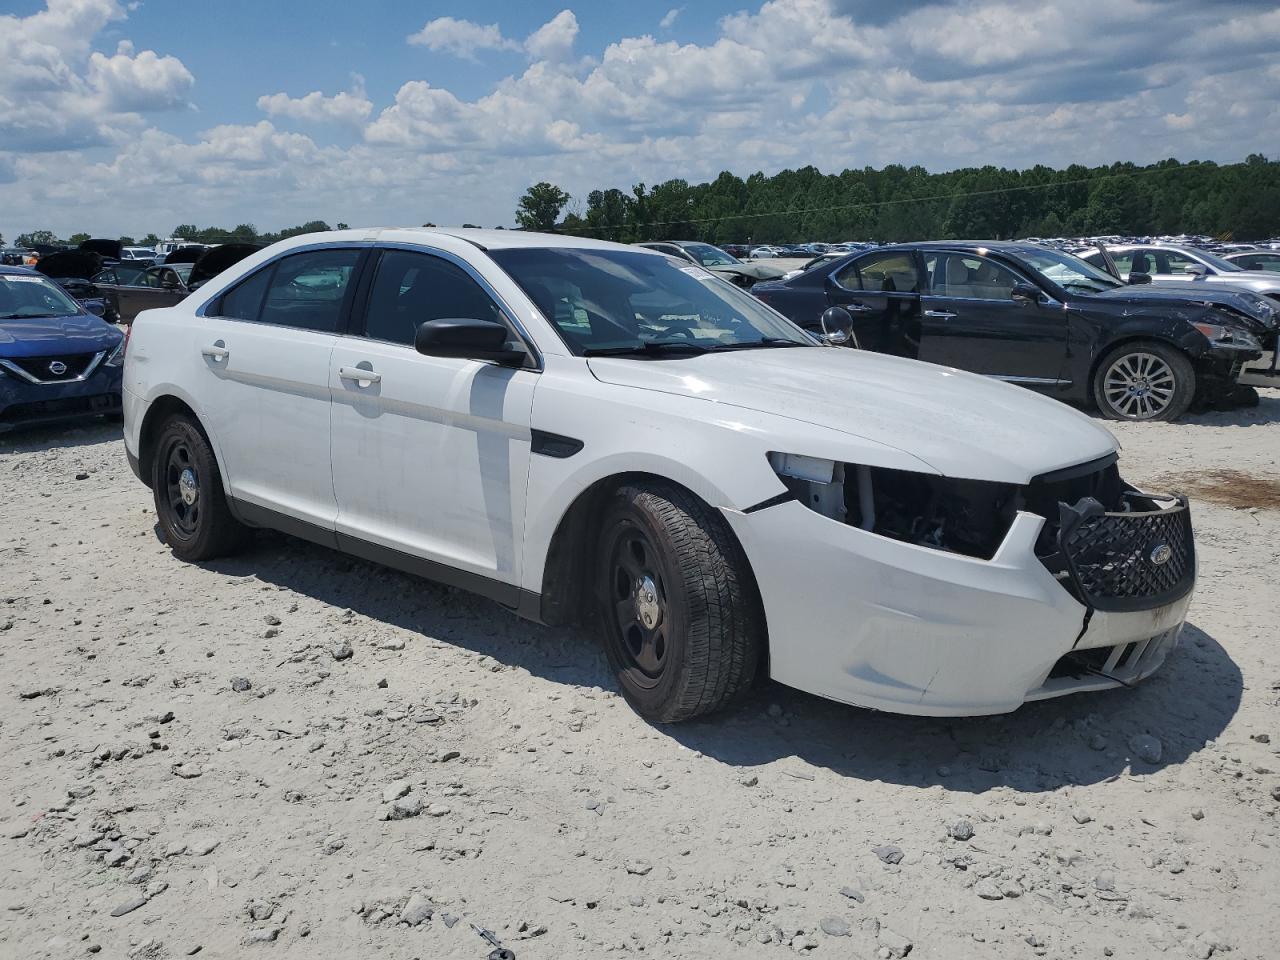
(969,517)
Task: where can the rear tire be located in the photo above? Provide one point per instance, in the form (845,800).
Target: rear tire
(682,620)
(190,503)
(1144,380)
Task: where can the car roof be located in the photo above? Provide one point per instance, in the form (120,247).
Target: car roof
(484,239)
(966,246)
(20,271)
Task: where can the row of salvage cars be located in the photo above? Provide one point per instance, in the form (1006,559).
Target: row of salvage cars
(118,288)
(61,349)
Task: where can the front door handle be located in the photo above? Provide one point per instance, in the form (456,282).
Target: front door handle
(939,314)
(858,308)
(217,353)
(360,374)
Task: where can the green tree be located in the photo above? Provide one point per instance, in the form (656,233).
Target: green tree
(36,238)
(540,207)
(78,238)
(150,240)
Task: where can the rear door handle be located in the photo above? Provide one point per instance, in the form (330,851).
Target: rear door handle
(939,314)
(360,374)
(217,353)
(858,308)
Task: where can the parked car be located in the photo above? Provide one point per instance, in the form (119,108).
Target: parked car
(713,258)
(130,291)
(1182,265)
(1031,316)
(1268,260)
(58,362)
(138,255)
(580,429)
(74,271)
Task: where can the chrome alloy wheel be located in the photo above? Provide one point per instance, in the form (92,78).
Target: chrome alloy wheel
(1139,386)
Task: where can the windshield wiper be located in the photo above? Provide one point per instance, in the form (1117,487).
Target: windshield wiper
(27,316)
(647,347)
(677,347)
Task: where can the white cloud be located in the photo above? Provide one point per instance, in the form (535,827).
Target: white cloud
(554,39)
(786,83)
(669,18)
(462,38)
(349,107)
(144,82)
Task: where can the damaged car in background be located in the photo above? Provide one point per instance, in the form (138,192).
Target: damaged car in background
(741,273)
(1036,317)
(602,434)
(130,290)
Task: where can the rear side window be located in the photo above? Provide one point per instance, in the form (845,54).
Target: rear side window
(305,290)
(411,288)
(889,273)
(244,302)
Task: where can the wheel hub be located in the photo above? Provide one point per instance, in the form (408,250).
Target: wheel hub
(648,609)
(188,486)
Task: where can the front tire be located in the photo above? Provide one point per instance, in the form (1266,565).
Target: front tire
(1144,380)
(190,503)
(682,619)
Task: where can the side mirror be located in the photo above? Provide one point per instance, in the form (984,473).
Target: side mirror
(837,327)
(96,307)
(467,339)
(1025,293)
(1196,270)
(1138,278)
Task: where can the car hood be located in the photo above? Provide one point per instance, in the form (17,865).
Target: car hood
(759,270)
(56,336)
(72,263)
(961,424)
(1180,293)
(216,259)
(1257,283)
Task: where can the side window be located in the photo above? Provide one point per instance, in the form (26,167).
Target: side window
(889,273)
(972,278)
(307,289)
(244,301)
(848,277)
(1178,262)
(1125,262)
(411,288)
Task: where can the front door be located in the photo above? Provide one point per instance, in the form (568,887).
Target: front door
(970,320)
(430,454)
(265,346)
(881,291)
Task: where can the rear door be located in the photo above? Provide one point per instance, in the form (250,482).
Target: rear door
(882,293)
(971,321)
(430,455)
(265,347)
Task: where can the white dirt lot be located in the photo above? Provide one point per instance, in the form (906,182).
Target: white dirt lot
(140,778)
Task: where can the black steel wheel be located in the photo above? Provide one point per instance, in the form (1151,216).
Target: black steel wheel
(187,486)
(681,615)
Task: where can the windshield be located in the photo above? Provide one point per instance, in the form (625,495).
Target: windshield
(607,301)
(709,256)
(1226,266)
(1068,272)
(28,298)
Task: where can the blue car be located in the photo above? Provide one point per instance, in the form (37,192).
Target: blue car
(58,362)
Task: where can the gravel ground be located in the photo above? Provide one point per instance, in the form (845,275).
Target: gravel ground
(300,754)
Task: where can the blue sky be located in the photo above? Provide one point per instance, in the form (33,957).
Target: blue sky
(124,117)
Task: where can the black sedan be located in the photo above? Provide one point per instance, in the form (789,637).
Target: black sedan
(1031,316)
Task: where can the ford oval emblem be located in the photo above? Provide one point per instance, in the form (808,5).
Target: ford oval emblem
(57,368)
(1160,554)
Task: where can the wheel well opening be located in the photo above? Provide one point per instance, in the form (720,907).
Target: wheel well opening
(566,576)
(161,410)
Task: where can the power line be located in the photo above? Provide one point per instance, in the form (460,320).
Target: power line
(888,203)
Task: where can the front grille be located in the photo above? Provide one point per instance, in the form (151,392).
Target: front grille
(1134,559)
(55,369)
(37,410)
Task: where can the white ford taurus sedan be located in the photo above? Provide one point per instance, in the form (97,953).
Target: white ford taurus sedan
(591,432)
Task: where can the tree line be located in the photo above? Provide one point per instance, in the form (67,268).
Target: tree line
(1240,201)
(242,233)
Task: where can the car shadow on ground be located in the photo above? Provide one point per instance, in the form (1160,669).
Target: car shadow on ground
(32,439)
(1043,746)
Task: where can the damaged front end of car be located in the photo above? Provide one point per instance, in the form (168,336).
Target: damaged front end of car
(1113,548)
